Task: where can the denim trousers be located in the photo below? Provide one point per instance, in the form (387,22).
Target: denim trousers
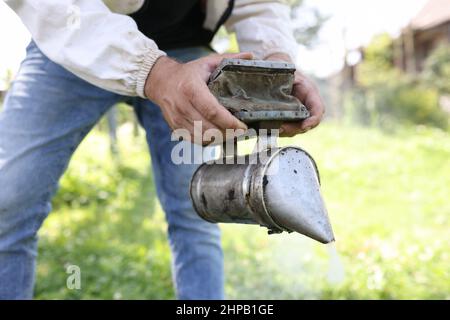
(46,114)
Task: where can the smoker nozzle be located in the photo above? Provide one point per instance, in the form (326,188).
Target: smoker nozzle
(282,194)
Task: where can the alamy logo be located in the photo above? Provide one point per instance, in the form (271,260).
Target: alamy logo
(74,279)
(186,152)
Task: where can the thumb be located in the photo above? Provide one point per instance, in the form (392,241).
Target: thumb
(240,55)
(215,59)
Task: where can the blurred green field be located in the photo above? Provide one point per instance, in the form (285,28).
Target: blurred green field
(387,195)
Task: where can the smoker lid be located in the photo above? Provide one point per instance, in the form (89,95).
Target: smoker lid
(253,65)
(257,91)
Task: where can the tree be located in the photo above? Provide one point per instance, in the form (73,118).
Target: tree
(377,66)
(307,22)
(437,69)
(393,97)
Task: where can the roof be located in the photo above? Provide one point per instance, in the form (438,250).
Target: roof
(434,13)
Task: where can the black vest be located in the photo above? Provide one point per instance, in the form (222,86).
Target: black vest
(176,24)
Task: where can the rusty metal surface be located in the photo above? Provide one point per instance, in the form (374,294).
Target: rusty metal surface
(255,90)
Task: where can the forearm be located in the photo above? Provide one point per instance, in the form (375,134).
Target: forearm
(85,37)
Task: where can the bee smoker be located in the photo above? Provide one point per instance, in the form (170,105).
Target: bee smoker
(275,187)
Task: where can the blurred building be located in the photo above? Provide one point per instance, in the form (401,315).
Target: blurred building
(426,31)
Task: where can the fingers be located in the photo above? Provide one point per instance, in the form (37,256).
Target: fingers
(210,109)
(314,104)
(182,93)
(199,127)
(308,94)
(214,60)
(219,57)
(290,129)
(191,120)
(207,105)
(195,116)
(197,103)
(202,131)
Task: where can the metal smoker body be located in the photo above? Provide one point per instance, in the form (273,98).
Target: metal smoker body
(281,193)
(278,188)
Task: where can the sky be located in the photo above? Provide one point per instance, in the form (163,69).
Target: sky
(361,20)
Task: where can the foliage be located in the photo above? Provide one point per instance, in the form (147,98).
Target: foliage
(104,221)
(407,102)
(404,101)
(307,21)
(391,97)
(437,69)
(387,197)
(376,67)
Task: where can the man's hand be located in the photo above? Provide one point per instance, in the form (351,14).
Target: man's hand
(180,90)
(308,94)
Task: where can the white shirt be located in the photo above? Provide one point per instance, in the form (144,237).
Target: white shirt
(97,41)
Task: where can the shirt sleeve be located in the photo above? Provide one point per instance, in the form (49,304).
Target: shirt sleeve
(88,39)
(263,27)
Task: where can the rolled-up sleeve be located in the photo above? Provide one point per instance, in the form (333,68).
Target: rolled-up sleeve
(263,27)
(85,37)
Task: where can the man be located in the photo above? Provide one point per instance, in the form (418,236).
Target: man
(87,55)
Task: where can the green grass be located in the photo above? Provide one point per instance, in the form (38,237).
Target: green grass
(387,195)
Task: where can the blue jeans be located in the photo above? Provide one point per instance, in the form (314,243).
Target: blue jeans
(47,113)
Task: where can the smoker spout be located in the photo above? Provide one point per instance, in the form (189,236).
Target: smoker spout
(293,198)
(281,193)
